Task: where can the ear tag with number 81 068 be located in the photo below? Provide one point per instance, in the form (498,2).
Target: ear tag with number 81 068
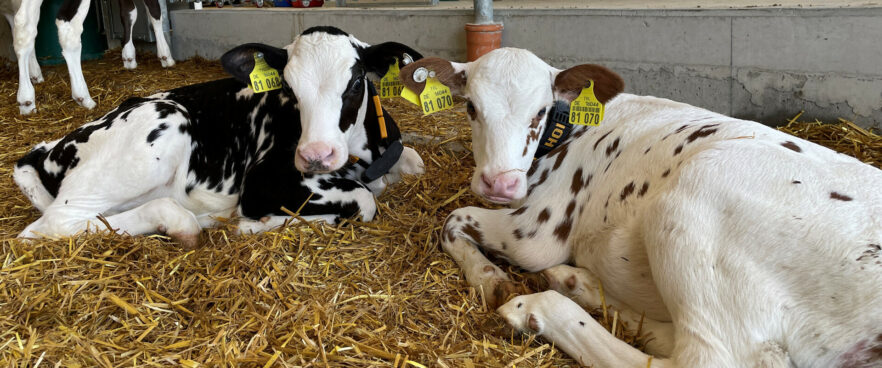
(390,85)
(586,109)
(435,97)
(264,77)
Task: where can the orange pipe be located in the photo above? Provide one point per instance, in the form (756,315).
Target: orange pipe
(482,38)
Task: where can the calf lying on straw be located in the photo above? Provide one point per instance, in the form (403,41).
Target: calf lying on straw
(742,246)
(174,161)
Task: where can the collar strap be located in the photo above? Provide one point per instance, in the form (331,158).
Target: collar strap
(394,148)
(557,128)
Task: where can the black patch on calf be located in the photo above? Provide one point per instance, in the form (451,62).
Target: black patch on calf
(353,98)
(64,153)
(325,29)
(155,133)
(153,8)
(68,10)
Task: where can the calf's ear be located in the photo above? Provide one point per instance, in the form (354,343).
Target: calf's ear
(378,58)
(569,83)
(451,74)
(239,61)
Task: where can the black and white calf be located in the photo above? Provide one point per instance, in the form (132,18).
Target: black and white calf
(174,161)
(70,26)
(745,246)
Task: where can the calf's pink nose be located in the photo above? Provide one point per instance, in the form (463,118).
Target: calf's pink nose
(317,155)
(502,185)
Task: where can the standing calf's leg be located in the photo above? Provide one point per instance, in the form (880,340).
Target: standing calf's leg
(162,49)
(498,232)
(24,31)
(70,27)
(583,287)
(128,13)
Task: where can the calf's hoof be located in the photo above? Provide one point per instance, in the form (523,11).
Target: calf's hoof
(27,107)
(187,241)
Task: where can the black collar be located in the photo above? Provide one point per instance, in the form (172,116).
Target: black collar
(390,139)
(557,128)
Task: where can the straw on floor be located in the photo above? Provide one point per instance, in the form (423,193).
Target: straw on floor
(353,295)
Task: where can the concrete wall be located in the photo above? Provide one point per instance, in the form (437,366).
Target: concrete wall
(761,64)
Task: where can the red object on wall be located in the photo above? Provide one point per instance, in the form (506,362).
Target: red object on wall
(306,3)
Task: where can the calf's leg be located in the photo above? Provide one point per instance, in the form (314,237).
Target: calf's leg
(128,14)
(24,31)
(509,234)
(162,215)
(584,288)
(162,49)
(70,27)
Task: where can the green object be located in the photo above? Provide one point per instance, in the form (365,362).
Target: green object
(46,45)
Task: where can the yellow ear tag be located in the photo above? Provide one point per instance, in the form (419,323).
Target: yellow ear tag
(410,96)
(390,85)
(435,97)
(586,109)
(264,77)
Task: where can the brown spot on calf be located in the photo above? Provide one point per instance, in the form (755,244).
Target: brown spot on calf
(576,185)
(627,190)
(601,139)
(792,146)
(543,216)
(562,231)
(840,197)
(473,232)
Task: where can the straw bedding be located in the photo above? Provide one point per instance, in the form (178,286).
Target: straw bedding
(353,295)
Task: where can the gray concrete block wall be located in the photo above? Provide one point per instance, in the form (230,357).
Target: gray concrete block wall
(761,64)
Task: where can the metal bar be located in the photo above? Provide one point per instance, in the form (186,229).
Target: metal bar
(483,11)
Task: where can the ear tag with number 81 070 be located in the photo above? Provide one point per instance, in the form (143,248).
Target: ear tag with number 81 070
(586,109)
(435,97)
(264,77)
(390,85)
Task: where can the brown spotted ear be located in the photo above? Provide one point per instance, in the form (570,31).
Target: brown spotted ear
(452,75)
(569,83)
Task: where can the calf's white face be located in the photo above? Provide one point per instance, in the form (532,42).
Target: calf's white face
(509,93)
(326,70)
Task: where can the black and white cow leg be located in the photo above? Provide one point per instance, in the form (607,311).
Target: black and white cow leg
(162,49)
(410,163)
(70,27)
(498,232)
(162,215)
(128,14)
(325,197)
(24,32)
(571,329)
(584,288)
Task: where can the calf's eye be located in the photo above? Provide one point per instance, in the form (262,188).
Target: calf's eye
(541,113)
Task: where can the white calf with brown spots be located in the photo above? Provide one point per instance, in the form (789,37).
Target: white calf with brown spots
(745,246)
